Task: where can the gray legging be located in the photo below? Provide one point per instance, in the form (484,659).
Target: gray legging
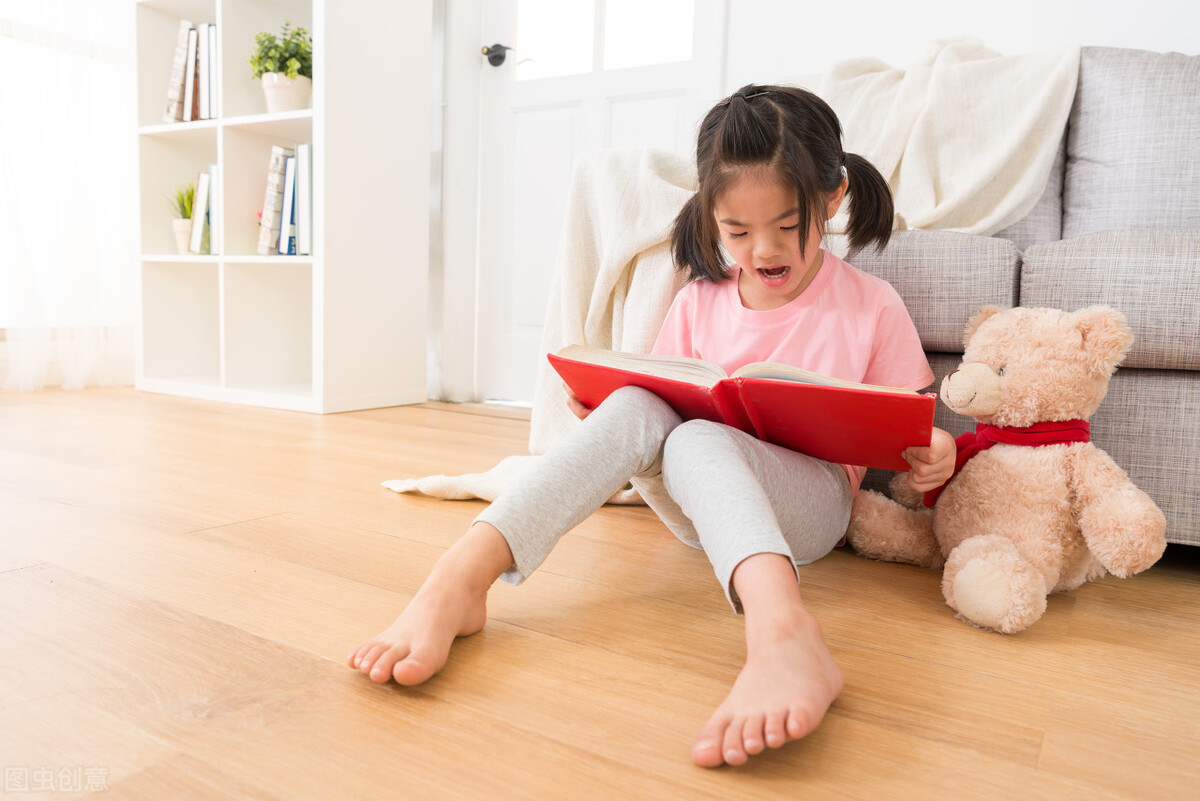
(716,488)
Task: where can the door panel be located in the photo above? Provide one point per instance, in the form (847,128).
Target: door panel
(533,128)
(546,138)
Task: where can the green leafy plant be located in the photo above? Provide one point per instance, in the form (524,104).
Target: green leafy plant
(181,200)
(289,53)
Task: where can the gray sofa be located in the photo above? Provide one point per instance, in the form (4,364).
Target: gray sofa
(1119,224)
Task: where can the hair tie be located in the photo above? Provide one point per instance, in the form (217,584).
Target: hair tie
(742,94)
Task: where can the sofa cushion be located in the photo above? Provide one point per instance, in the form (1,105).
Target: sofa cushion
(1044,223)
(1152,276)
(944,277)
(1132,154)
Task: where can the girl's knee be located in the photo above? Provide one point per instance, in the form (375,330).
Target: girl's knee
(635,400)
(633,419)
(701,431)
(696,441)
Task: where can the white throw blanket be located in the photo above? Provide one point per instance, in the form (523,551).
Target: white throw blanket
(965,137)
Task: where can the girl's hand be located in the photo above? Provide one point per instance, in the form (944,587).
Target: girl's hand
(575,404)
(931,467)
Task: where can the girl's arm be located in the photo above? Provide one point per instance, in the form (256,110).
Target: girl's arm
(930,468)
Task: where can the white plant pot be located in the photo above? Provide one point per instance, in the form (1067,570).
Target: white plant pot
(183,235)
(284,93)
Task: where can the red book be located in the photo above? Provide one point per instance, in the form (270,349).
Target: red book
(838,421)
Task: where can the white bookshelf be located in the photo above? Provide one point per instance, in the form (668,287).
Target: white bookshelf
(344,328)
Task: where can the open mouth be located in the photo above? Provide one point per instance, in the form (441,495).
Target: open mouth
(774,275)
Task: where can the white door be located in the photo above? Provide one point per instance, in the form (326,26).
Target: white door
(582,74)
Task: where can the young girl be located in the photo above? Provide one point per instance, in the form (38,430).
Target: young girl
(771,173)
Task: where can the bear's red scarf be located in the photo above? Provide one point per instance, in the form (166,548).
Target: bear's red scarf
(1056,432)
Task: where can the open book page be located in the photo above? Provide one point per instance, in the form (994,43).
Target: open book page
(679,368)
(705,373)
(785,372)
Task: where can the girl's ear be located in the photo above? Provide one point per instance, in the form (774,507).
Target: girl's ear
(835,199)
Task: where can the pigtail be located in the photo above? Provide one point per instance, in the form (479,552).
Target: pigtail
(871,208)
(694,245)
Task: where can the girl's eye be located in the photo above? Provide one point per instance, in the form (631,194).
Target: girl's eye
(732,235)
(790,227)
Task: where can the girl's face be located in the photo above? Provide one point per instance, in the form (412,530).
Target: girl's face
(759,220)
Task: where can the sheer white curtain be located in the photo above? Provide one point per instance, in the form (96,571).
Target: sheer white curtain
(68,202)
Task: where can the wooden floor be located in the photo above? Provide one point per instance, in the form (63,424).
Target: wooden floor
(181,581)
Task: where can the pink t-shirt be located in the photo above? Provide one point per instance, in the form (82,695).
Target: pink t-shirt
(847,324)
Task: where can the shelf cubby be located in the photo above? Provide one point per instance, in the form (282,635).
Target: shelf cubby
(268,324)
(167,160)
(240,20)
(158,26)
(181,326)
(246,148)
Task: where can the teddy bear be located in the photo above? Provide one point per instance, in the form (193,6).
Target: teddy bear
(1034,507)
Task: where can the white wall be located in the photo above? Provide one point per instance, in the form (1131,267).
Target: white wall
(773,40)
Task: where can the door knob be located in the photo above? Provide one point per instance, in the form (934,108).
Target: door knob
(495,54)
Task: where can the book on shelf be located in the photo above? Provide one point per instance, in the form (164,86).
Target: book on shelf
(213,92)
(828,418)
(202,62)
(200,231)
(175,84)
(269,225)
(189,77)
(214,209)
(304,199)
(197,109)
(287,225)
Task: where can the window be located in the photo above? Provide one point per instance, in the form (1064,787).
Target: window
(557,39)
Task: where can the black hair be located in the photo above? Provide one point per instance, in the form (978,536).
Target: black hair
(796,134)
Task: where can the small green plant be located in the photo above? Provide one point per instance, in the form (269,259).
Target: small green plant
(289,53)
(181,200)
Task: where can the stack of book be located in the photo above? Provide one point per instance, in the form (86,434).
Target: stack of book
(286,224)
(192,89)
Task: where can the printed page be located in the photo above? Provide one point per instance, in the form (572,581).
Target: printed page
(785,372)
(680,368)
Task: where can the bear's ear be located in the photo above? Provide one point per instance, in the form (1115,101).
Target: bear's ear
(978,320)
(1106,337)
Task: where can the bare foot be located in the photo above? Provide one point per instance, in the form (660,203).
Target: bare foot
(789,679)
(788,682)
(451,603)
(417,644)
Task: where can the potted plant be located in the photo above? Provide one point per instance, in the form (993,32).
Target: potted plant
(181,205)
(284,63)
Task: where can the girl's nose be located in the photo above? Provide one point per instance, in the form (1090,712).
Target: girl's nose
(766,247)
